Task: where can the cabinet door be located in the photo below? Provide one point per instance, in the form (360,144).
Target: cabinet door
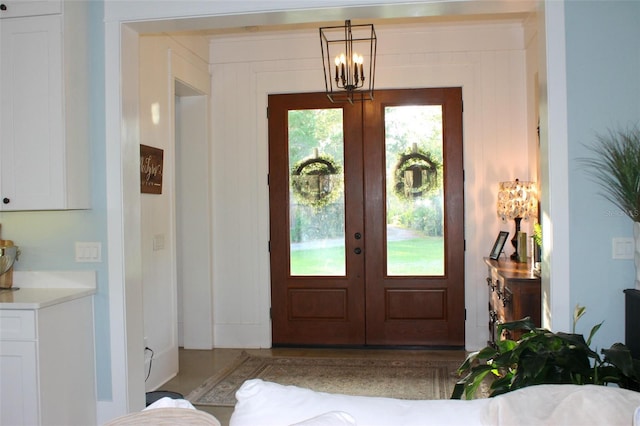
(18,383)
(31,121)
(18,8)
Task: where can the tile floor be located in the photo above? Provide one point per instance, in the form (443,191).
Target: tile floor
(198,365)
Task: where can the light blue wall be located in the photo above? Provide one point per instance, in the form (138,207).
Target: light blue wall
(99,217)
(47,239)
(603,91)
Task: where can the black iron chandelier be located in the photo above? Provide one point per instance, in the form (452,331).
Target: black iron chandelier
(349,61)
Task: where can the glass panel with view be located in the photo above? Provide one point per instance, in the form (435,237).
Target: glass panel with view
(415,209)
(316,192)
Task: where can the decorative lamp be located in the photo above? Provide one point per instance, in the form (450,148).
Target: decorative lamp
(517,200)
(349,61)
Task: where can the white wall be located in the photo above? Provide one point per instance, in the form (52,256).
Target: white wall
(163,59)
(554,168)
(488,60)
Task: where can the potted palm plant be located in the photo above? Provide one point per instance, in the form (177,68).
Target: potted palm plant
(615,167)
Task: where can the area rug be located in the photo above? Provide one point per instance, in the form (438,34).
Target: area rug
(393,378)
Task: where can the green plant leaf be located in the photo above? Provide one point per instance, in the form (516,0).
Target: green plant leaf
(476,357)
(486,353)
(615,167)
(458,391)
(506,345)
(466,364)
(523,324)
(578,312)
(502,385)
(620,356)
(576,340)
(531,365)
(537,234)
(594,330)
(468,385)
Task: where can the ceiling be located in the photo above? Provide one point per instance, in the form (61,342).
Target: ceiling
(396,13)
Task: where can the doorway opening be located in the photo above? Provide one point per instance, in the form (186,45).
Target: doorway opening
(193,219)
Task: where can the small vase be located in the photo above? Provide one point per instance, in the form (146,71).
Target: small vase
(6,279)
(636,235)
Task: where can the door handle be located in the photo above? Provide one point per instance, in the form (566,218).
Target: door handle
(357,250)
(357,235)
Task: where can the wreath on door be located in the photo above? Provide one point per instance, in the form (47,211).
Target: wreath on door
(416,174)
(316,181)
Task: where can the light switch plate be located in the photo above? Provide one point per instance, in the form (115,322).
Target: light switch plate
(158,242)
(622,248)
(88,252)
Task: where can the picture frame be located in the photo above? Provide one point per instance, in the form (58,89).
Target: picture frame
(151,160)
(499,245)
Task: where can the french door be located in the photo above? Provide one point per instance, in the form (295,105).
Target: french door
(366,219)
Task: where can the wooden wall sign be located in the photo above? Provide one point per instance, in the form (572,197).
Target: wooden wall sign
(150,169)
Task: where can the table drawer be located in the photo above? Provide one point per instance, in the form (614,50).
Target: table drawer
(17,324)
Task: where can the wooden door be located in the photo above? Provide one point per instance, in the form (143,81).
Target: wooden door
(348,184)
(421,303)
(324,305)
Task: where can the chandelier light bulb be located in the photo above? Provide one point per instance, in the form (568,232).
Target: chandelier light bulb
(343,61)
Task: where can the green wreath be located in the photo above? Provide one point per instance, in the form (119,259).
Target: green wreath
(422,164)
(316,181)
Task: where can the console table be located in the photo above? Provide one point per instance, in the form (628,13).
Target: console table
(514,293)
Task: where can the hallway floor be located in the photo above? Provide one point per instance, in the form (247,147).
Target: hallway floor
(198,365)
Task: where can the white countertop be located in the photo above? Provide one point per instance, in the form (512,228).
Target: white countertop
(39,289)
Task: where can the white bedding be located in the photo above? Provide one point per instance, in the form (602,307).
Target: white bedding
(270,404)
(565,405)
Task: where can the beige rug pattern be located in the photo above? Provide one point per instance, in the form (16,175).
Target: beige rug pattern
(394,378)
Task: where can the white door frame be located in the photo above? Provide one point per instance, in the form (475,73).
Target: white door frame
(122,153)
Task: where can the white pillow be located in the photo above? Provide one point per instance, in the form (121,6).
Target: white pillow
(166,402)
(270,404)
(332,418)
(566,405)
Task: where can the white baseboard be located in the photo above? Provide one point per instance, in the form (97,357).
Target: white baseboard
(242,336)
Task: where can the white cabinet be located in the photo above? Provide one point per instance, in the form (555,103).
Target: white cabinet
(17,8)
(44,141)
(47,364)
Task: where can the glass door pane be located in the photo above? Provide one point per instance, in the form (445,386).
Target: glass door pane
(414,190)
(316,192)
